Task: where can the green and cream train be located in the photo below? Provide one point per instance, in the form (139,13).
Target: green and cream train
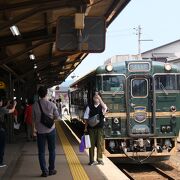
(143,99)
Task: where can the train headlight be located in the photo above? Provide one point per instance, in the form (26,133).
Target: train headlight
(163,129)
(109,67)
(169,129)
(173,108)
(167,66)
(116,120)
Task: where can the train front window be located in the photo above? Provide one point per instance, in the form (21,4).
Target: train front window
(139,87)
(178,82)
(165,82)
(113,83)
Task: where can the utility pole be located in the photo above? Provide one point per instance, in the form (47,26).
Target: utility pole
(139,39)
(138,33)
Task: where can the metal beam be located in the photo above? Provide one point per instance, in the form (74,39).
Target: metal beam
(11,58)
(26,37)
(8,69)
(43,64)
(36,10)
(116,7)
(32,4)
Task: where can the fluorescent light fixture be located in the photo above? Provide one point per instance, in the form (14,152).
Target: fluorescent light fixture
(15,31)
(32,57)
(68,59)
(35,66)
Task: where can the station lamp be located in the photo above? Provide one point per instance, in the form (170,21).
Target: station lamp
(35,66)
(15,31)
(32,56)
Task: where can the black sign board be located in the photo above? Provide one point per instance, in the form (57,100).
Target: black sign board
(90,39)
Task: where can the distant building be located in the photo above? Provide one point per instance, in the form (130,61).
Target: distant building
(119,58)
(167,53)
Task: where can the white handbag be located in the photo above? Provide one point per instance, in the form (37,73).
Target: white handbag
(87,141)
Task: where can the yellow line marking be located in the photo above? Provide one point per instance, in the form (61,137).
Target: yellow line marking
(75,166)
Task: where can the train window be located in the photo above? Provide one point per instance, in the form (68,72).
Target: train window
(178,82)
(113,83)
(139,87)
(165,82)
(98,83)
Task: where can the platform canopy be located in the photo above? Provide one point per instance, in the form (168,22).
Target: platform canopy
(32,57)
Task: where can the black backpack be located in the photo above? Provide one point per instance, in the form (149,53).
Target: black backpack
(45,119)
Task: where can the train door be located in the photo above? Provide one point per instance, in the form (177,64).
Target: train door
(139,106)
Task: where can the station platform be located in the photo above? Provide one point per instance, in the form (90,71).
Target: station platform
(22,160)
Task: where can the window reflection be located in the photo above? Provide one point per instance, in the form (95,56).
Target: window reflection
(113,83)
(178,82)
(166,82)
(139,87)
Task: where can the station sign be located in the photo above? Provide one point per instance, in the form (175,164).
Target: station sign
(90,39)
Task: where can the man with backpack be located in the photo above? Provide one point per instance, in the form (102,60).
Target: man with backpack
(44,108)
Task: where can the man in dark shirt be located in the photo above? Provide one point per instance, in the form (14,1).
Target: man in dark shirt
(3,111)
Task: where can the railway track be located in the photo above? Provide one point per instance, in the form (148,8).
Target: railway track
(149,172)
(159,171)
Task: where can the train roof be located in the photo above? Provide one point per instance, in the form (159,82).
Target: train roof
(121,68)
(91,73)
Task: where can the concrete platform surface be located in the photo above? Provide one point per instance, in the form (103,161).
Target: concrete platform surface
(22,160)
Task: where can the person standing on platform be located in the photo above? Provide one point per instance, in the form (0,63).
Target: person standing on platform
(28,120)
(45,134)
(59,106)
(3,111)
(96,133)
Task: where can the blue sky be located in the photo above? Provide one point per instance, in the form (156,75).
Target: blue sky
(159,20)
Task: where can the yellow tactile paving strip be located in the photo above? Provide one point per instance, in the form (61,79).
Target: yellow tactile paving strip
(77,170)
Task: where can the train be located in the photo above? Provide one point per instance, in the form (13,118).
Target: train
(143,99)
